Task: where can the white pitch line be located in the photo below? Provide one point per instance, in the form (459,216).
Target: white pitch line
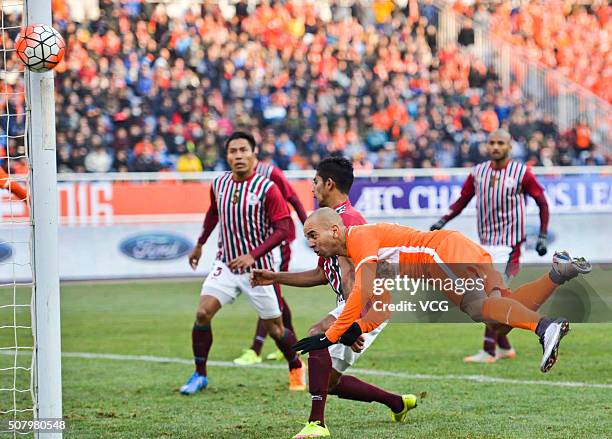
(385,373)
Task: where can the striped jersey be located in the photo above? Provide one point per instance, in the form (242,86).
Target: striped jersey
(246,211)
(277,177)
(331,267)
(500,203)
(264,169)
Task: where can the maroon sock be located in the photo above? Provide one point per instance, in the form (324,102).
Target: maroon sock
(201,341)
(284,344)
(490,341)
(260,336)
(350,387)
(287,323)
(319,370)
(503,342)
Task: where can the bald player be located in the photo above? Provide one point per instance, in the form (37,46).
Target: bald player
(500,185)
(431,255)
(327,367)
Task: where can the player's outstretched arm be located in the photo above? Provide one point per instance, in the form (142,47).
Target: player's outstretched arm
(356,301)
(467,193)
(345,322)
(302,279)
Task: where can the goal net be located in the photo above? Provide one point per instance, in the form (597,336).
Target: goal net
(30,382)
(17,398)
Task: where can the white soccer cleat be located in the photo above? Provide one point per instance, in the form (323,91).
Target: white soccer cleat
(480,357)
(552,334)
(564,267)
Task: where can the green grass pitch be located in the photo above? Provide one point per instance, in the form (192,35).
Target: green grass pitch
(122,398)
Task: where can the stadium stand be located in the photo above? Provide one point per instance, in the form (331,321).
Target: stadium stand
(145,90)
(571,36)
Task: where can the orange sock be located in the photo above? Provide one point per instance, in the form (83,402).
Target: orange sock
(535,293)
(510,312)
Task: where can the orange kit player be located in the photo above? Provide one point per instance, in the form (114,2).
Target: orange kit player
(433,255)
(15,188)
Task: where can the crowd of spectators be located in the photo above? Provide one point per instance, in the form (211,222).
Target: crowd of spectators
(572,36)
(144,90)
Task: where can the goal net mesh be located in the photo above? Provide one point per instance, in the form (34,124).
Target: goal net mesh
(17,396)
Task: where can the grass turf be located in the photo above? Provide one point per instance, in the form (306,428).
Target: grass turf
(134,399)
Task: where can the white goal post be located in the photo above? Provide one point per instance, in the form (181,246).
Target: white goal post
(47,382)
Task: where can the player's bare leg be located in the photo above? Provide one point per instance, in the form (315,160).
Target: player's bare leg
(201,341)
(285,339)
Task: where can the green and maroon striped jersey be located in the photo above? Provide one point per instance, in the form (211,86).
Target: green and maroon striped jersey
(500,203)
(350,217)
(246,212)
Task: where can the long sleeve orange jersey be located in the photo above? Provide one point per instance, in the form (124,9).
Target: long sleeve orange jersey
(415,252)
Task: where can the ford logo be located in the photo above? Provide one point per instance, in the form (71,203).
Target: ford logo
(6,251)
(155,247)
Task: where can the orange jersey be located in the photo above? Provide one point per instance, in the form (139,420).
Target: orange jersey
(416,253)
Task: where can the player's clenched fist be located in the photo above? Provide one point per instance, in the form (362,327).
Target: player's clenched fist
(262,277)
(194,256)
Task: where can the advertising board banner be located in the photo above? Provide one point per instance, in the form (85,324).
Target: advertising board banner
(392,197)
(123,251)
(106,202)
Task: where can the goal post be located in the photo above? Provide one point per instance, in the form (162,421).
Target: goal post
(47,383)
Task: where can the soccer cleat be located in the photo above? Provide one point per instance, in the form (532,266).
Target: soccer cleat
(410,402)
(297,378)
(481,357)
(312,429)
(501,354)
(551,332)
(277,355)
(194,384)
(248,358)
(564,267)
